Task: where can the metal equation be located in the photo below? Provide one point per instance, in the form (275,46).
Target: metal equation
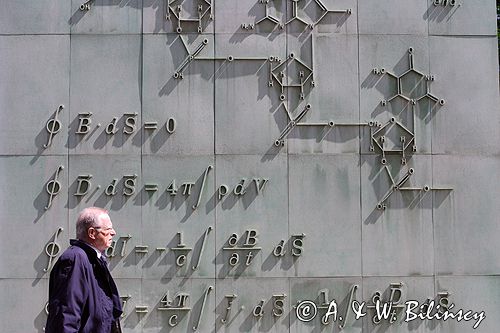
(127,186)
(246,246)
(181,251)
(127,124)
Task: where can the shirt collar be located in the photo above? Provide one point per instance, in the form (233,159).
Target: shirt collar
(99,253)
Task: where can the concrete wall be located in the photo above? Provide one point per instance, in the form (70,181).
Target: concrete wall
(183,137)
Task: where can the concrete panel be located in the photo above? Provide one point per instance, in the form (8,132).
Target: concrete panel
(397,240)
(25,181)
(478,131)
(35,80)
(165,215)
(40,17)
(201,303)
(243,98)
(252,305)
(265,212)
(130,291)
(155,16)
(106,17)
(123,205)
(106,81)
(322,292)
(325,16)
(466,219)
(249,16)
(324,205)
(391,54)
(394,17)
(23,299)
(188,101)
(475,294)
(334,97)
(462,18)
(403,289)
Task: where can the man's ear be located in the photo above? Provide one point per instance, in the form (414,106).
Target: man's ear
(91,233)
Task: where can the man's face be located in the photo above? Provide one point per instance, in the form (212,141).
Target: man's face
(102,235)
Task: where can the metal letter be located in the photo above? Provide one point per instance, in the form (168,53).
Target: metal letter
(141,249)
(172,321)
(141,309)
(53,186)
(202,307)
(111,128)
(251,239)
(84,185)
(325,293)
(52,249)
(130,122)
(187,188)
(297,245)
(172,188)
(396,289)
(223,189)
(181,260)
(233,240)
(171,125)
(124,244)
(111,189)
(53,126)
(279,250)
(129,185)
(84,124)
(230,299)
(444,301)
(351,300)
(240,188)
(279,304)
(260,186)
(202,186)
(180,243)
(234,259)
(124,300)
(195,267)
(249,258)
(110,251)
(258,310)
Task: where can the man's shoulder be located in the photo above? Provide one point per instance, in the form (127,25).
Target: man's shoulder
(74,254)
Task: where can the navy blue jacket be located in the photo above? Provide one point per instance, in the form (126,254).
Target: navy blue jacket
(82,294)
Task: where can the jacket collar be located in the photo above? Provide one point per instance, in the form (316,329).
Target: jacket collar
(89,250)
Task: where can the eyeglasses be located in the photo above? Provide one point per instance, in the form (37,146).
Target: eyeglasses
(106,231)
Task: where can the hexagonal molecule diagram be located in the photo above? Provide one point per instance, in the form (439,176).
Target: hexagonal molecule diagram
(190,12)
(314,12)
(412,86)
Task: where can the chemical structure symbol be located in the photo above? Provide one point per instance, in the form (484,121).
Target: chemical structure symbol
(412,86)
(316,15)
(381,133)
(400,186)
(182,12)
(270,19)
(303,74)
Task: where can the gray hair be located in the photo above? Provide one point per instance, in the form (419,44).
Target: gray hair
(87,219)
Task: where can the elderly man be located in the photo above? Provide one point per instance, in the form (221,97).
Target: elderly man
(82,294)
